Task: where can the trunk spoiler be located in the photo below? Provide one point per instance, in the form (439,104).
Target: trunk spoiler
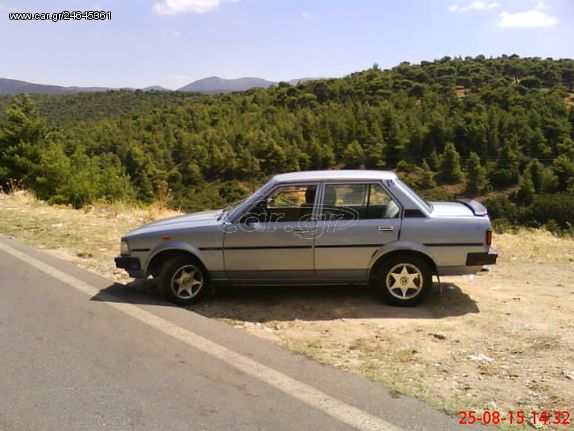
(476,207)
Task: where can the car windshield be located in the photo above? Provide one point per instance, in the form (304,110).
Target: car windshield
(422,202)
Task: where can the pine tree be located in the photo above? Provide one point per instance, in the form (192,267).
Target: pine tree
(354,156)
(450,170)
(543,178)
(427,181)
(20,135)
(475,175)
(525,194)
(434,160)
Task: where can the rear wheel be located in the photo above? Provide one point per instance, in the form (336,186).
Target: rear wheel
(183,280)
(403,280)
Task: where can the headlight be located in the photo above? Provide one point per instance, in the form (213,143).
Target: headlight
(124,248)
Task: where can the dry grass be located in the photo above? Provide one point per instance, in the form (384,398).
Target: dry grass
(518,316)
(88,237)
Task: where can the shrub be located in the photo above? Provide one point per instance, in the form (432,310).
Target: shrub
(502,225)
(558,207)
(501,207)
(406,167)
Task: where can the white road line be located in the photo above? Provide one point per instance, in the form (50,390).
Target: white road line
(345,413)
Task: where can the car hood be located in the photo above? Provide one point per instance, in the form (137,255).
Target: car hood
(452,209)
(202,218)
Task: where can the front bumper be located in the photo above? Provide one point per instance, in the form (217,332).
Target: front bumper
(479,259)
(131,264)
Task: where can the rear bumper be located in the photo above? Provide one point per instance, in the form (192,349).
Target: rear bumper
(479,259)
(131,265)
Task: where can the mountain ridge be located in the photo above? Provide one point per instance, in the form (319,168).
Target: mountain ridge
(211,84)
(15,86)
(215,84)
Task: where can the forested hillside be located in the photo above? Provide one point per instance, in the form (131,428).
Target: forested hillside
(73,108)
(501,129)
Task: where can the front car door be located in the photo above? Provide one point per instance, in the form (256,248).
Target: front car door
(355,220)
(273,239)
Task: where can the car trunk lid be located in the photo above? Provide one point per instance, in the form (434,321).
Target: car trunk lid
(461,208)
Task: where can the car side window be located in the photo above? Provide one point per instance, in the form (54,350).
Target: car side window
(284,204)
(360,201)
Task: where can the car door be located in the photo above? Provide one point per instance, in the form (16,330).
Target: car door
(355,220)
(273,239)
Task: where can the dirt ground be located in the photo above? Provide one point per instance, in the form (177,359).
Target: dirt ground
(501,340)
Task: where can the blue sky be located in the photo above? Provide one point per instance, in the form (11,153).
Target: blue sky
(173,42)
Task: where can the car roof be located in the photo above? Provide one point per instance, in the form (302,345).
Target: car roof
(343,174)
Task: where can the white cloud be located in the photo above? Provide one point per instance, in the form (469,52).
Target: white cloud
(528,19)
(307,15)
(174,7)
(474,6)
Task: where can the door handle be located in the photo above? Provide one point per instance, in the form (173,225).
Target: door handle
(385,228)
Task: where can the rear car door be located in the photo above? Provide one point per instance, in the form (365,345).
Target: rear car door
(355,220)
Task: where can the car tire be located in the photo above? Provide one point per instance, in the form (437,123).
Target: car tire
(403,280)
(183,280)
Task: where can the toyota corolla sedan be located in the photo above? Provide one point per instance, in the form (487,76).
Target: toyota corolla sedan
(316,227)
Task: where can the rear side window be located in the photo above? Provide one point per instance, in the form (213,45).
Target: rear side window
(357,201)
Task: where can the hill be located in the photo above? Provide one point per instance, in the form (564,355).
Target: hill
(207,85)
(12,86)
(494,128)
(155,88)
(70,109)
(215,84)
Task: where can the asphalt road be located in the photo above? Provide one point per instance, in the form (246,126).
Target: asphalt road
(80,353)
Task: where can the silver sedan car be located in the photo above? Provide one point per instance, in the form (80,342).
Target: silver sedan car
(317,227)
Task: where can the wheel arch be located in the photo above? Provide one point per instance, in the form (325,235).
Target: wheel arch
(402,249)
(169,251)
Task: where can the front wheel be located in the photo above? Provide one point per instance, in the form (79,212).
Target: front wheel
(403,280)
(183,280)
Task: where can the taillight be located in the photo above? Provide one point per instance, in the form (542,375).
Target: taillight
(489,237)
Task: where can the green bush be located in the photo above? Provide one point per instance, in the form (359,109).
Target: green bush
(501,207)
(558,207)
(502,225)
(231,191)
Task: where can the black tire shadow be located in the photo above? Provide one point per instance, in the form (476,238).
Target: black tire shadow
(287,303)
(134,292)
